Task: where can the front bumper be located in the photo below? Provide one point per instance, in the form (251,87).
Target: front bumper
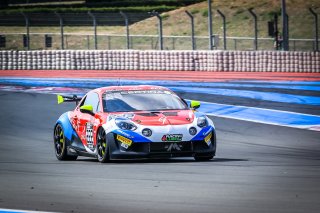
(160,149)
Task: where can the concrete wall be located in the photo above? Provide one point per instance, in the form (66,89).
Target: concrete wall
(255,61)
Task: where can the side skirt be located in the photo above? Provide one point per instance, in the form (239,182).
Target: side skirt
(75,151)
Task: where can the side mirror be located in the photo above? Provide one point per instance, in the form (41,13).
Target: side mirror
(87,109)
(194,104)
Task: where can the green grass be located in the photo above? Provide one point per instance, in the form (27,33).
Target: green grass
(239,11)
(165,16)
(205,13)
(194,11)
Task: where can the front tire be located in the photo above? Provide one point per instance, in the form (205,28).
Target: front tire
(102,147)
(60,145)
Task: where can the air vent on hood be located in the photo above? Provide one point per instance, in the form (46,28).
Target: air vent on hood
(148,114)
(170,113)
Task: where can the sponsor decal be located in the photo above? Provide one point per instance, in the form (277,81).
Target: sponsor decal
(125,134)
(125,142)
(207,139)
(128,115)
(110,117)
(124,116)
(163,120)
(207,132)
(172,137)
(173,146)
(89,135)
(152,91)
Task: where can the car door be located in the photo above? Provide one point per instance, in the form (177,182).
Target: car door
(84,122)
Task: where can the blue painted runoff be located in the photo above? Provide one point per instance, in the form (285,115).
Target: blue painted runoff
(181,86)
(264,96)
(275,117)
(260,115)
(93,83)
(11,211)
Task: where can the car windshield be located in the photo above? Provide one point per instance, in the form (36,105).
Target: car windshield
(141,100)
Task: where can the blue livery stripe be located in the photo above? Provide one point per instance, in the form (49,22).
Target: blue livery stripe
(203,133)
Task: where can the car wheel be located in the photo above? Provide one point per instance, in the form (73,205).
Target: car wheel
(60,145)
(102,146)
(203,158)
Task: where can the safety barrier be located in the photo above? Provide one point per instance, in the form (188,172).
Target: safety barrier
(254,61)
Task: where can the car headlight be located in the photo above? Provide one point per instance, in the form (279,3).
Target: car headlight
(202,122)
(126,125)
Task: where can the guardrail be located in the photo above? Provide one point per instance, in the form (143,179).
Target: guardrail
(252,61)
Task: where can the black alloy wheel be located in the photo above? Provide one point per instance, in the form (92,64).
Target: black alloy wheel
(60,145)
(102,146)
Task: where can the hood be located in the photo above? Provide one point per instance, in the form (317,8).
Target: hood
(161,118)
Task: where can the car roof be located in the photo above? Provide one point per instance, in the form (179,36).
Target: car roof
(129,88)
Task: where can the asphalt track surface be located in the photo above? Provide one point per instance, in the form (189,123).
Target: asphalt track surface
(258,168)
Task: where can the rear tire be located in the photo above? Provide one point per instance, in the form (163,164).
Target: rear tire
(60,145)
(102,147)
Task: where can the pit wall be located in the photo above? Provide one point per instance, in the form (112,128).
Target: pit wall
(255,61)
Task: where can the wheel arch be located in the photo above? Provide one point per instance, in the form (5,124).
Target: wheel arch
(66,125)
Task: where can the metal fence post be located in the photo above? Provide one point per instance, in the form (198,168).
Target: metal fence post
(61,29)
(284,26)
(127,28)
(67,41)
(26,18)
(94,29)
(159,29)
(276,32)
(224,29)
(210,25)
(255,28)
(287,30)
(88,42)
(316,30)
(192,29)
(109,42)
(173,43)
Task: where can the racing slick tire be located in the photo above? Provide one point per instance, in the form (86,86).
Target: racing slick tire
(60,145)
(102,147)
(203,158)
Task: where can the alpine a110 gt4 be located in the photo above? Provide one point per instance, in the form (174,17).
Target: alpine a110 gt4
(130,122)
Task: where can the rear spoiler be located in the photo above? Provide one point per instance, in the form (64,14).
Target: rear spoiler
(62,99)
